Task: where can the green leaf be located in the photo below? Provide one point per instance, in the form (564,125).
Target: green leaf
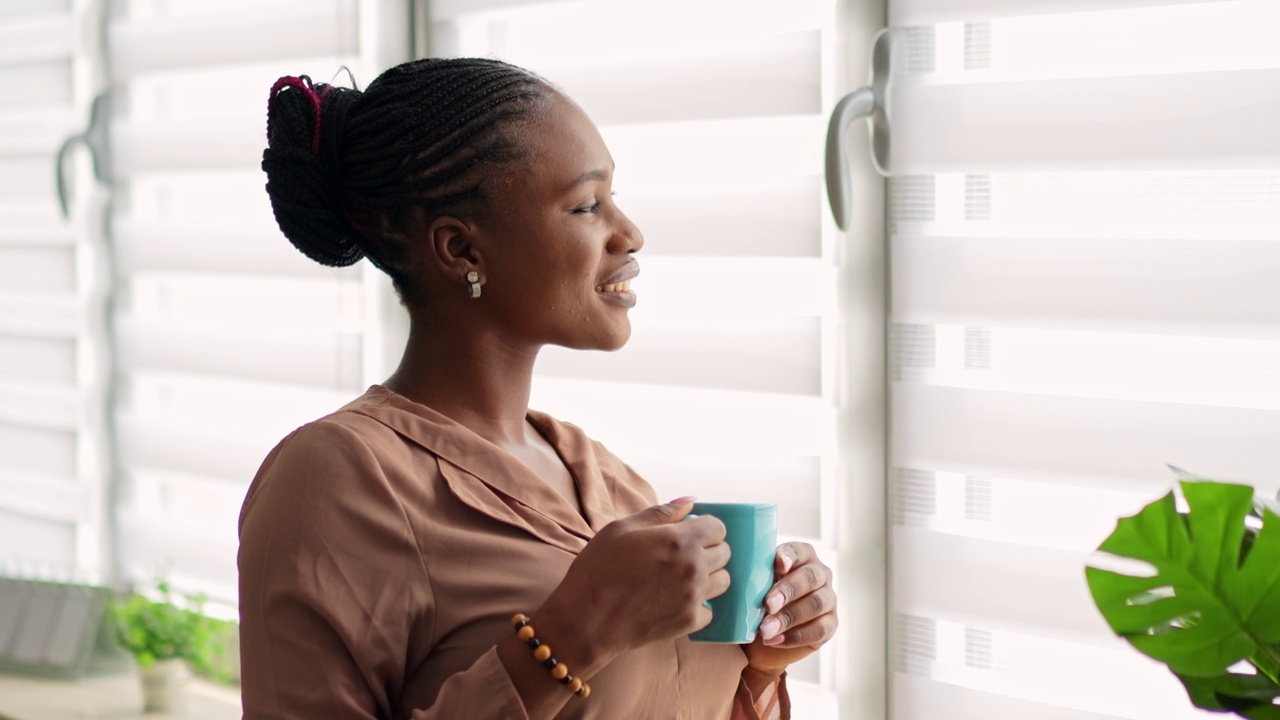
(1211,602)
(155,630)
(1247,695)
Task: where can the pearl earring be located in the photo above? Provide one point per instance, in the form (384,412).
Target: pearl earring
(473,277)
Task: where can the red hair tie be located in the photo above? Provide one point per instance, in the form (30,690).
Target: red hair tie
(304,84)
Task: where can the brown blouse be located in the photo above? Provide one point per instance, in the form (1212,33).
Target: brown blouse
(384,548)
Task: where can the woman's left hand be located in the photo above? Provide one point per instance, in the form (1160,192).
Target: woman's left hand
(801,611)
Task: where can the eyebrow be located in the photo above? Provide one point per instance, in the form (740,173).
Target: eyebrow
(589,176)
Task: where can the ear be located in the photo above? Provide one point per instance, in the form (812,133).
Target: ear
(454,249)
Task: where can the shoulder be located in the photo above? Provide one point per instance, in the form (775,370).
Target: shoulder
(342,439)
(336,460)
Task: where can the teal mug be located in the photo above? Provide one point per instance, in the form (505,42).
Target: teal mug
(752,535)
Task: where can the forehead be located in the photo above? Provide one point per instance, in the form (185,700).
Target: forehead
(565,143)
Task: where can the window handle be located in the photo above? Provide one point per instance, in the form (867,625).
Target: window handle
(95,139)
(865,102)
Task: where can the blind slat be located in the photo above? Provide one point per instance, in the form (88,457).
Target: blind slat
(996,585)
(37,38)
(33,217)
(652,157)
(1131,283)
(241,247)
(191,447)
(919,698)
(36,132)
(1173,121)
(772,218)
(51,497)
(750,77)
(694,423)
(936,426)
(59,407)
(928,12)
(25,8)
(244,35)
(324,359)
(40,315)
(782,356)
(195,556)
(735,288)
(224,143)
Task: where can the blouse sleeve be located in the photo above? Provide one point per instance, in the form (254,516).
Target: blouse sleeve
(773,704)
(334,596)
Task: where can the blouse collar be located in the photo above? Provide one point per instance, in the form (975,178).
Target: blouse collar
(493,481)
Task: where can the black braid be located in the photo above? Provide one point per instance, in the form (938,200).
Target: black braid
(426,133)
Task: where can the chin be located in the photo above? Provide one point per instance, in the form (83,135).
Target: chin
(619,339)
(608,342)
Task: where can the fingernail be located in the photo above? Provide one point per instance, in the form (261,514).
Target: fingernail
(787,562)
(774,603)
(683,500)
(769,628)
(775,640)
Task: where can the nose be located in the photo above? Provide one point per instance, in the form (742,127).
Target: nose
(626,237)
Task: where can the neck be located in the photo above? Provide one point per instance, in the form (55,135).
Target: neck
(475,379)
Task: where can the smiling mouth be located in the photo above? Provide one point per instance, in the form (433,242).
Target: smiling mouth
(618,287)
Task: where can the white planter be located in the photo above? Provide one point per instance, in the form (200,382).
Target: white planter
(164,686)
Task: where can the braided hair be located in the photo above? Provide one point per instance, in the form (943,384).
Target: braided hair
(428,133)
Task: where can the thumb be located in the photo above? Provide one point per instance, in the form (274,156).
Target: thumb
(671,512)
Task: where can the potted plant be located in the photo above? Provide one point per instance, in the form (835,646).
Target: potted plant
(163,636)
(1211,609)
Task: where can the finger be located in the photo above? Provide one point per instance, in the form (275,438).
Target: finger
(718,583)
(708,530)
(801,581)
(703,617)
(814,633)
(671,512)
(803,610)
(717,556)
(791,554)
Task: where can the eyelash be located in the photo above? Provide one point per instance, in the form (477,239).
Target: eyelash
(593,207)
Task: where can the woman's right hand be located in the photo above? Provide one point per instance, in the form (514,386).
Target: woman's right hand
(642,578)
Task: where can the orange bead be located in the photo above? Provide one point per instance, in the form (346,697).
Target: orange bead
(575,685)
(586,691)
(559,671)
(525,633)
(542,652)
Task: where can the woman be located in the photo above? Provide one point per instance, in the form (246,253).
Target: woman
(386,548)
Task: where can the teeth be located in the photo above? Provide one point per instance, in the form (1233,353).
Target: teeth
(623,286)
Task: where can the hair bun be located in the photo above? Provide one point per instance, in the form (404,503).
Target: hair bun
(304,129)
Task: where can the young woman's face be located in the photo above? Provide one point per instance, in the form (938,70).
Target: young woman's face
(560,273)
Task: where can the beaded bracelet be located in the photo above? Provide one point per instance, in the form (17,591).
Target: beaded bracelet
(542,653)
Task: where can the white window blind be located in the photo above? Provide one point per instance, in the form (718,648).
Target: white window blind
(227,337)
(728,387)
(1084,210)
(53,449)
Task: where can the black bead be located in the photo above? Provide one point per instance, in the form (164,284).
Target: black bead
(568,678)
(551,662)
(534,643)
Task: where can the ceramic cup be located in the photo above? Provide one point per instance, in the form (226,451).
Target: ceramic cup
(753,537)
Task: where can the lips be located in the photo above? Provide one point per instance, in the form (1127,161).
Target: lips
(620,281)
(617,287)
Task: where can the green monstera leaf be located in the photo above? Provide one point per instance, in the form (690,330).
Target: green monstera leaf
(1214,597)
(1246,695)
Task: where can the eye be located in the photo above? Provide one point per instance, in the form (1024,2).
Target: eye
(592,208)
